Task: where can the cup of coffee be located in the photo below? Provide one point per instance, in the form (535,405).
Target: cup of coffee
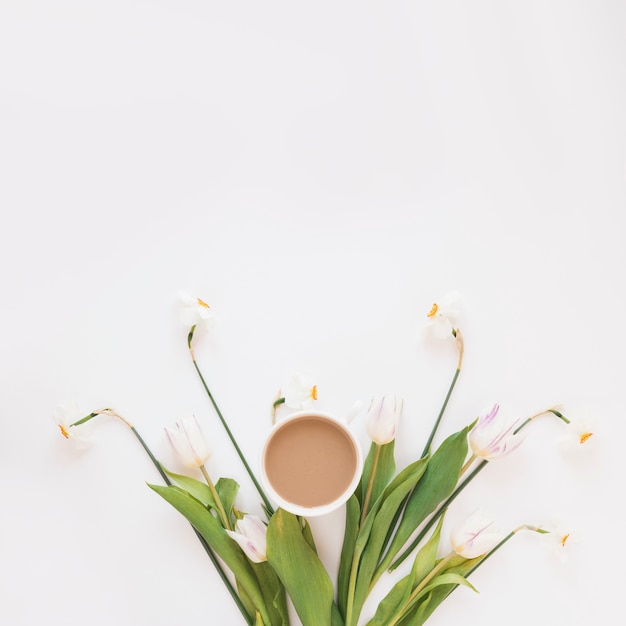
(311,463)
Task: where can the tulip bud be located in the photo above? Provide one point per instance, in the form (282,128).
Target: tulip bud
(250,534)
(382,418)
(189,442)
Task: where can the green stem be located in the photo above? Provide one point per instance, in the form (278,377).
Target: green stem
(216,497)
(461,347)
(443,408)
(266,502)
(352,586)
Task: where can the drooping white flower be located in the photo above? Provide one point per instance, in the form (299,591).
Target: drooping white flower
(493,436)
(443,316)
(64,416)
(560,539)
(475,536)
(382,418)
(250,534)
(299,392)
(578,433)
(194,311)
(188,442)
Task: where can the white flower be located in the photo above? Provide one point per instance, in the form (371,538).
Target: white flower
(299,392)
(194,311)
(492,437)
(475,536)
(559,540)
(382,418)
(443,316)
(578,433)
(251,536)
(64,416)
(189,442)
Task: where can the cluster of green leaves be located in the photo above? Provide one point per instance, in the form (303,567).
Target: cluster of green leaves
(260,589)
(399,505)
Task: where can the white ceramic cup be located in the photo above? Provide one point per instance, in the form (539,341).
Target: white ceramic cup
(311,463)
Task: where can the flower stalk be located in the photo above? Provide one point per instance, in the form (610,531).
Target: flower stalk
(268,507)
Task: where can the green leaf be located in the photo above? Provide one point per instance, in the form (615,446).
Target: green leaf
(371,539)
(427,557)
(429,602)
(307,533)
(336,618)
(438,482)
(391,603)
(215,535)
(384,471)
(196,488)
(398,596)
(353,514)
(300,570)
(443,579)
(273,593)
(227,490)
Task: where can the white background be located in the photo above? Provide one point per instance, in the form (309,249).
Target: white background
(320,173)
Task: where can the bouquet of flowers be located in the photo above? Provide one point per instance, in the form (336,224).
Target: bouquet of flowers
(267,559)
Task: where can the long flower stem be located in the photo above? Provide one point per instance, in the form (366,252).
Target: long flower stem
(352,586)
(266,502)
(443,408)
(216,497)
(167,481)
(461,347)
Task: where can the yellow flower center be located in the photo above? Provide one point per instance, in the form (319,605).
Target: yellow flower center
(584,437)
(433,310)
(314,392)
(203,303)
(564,539)
(64,431)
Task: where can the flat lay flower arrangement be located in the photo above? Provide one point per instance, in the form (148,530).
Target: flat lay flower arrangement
(268,558)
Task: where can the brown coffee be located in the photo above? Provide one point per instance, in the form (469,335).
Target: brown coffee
(310,461)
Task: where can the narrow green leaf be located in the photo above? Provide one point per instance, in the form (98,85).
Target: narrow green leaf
(227,489)
(353,513)
(196,488)
(427,557)
(215,535)
(400,593)
(384,471)
(336,619)
(438,482)
(371,539)
(392,602)
(433,599)
(273,593)
(443,579)
(300,570)
(307,533)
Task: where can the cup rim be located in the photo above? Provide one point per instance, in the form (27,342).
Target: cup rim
(322,509)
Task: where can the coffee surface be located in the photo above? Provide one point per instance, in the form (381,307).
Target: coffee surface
(310,461)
